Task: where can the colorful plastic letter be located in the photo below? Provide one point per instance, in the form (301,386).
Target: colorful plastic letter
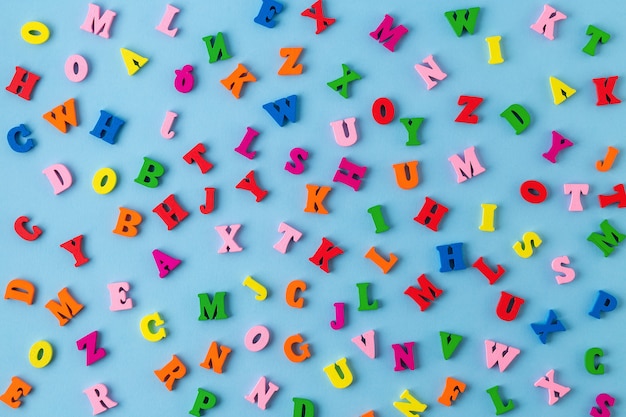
(575,190)
(367,343)
(340,313)
(166,21)
(467,167)
(340,85)
(107,127)
(127,223)
(495,51)
(467,114)
(451,257)
(508,306)
(430,72)
(257,338)
(283,110)
(269,9)
(16,390)
(213,309)
(560,90)
(449,343)
(530,240)
(424,293)
(384,264)
(227,233)
(205,400)
(315,198)
(216,357)
(604,90)
(451,391)
(350,174)
(412,125)
(235,81)
(164,262)
(20,290)
(23,83)
(89,343)
(98,396)
(290,293)
(289,234)
(517,116)
(171,212)
(386,34)
(316,12)
(552,324)
(492,276)
(364,301)
(244,146)
(166,126)
(13,135)
(545,23)
(257,287)
(76,68)
(501,408)
(290,353)
(608,240)
(23,232)
(40,354)
(344,131)
(499,354)
(404,357)
(291,65)
(149,323)
(326,251)
(411,407)
(608,160)
(249,183)
(431,214)
(463,20)
(59,176)
(407,176)
(104,181)
(555,391)
(339,374)
(97,24)
(119,297)
(262,393)
(597,36)
(216,47)
(383,111)
(558,265)
(174,370)
(75,247)
(35,33)
(604,303)
(591,361)
(558,144)
(66,308)
(132,60)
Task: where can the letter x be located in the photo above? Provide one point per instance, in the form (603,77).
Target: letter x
(316,12)
(227,233)
(555,391)
(551,325)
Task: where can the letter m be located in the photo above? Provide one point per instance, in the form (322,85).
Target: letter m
(387,35)
(466,167)
(608,240)
(213,309)
(425,293)
(96,24)
(66,308)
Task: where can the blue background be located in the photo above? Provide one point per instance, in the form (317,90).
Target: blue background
(211,115)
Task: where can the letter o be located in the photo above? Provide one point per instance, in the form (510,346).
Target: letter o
(40,354)
(76,68)
(35,33)
(534,192)
(383,111)
(257,338)
(104,181)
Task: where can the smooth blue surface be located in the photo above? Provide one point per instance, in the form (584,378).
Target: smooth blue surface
(211,115)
